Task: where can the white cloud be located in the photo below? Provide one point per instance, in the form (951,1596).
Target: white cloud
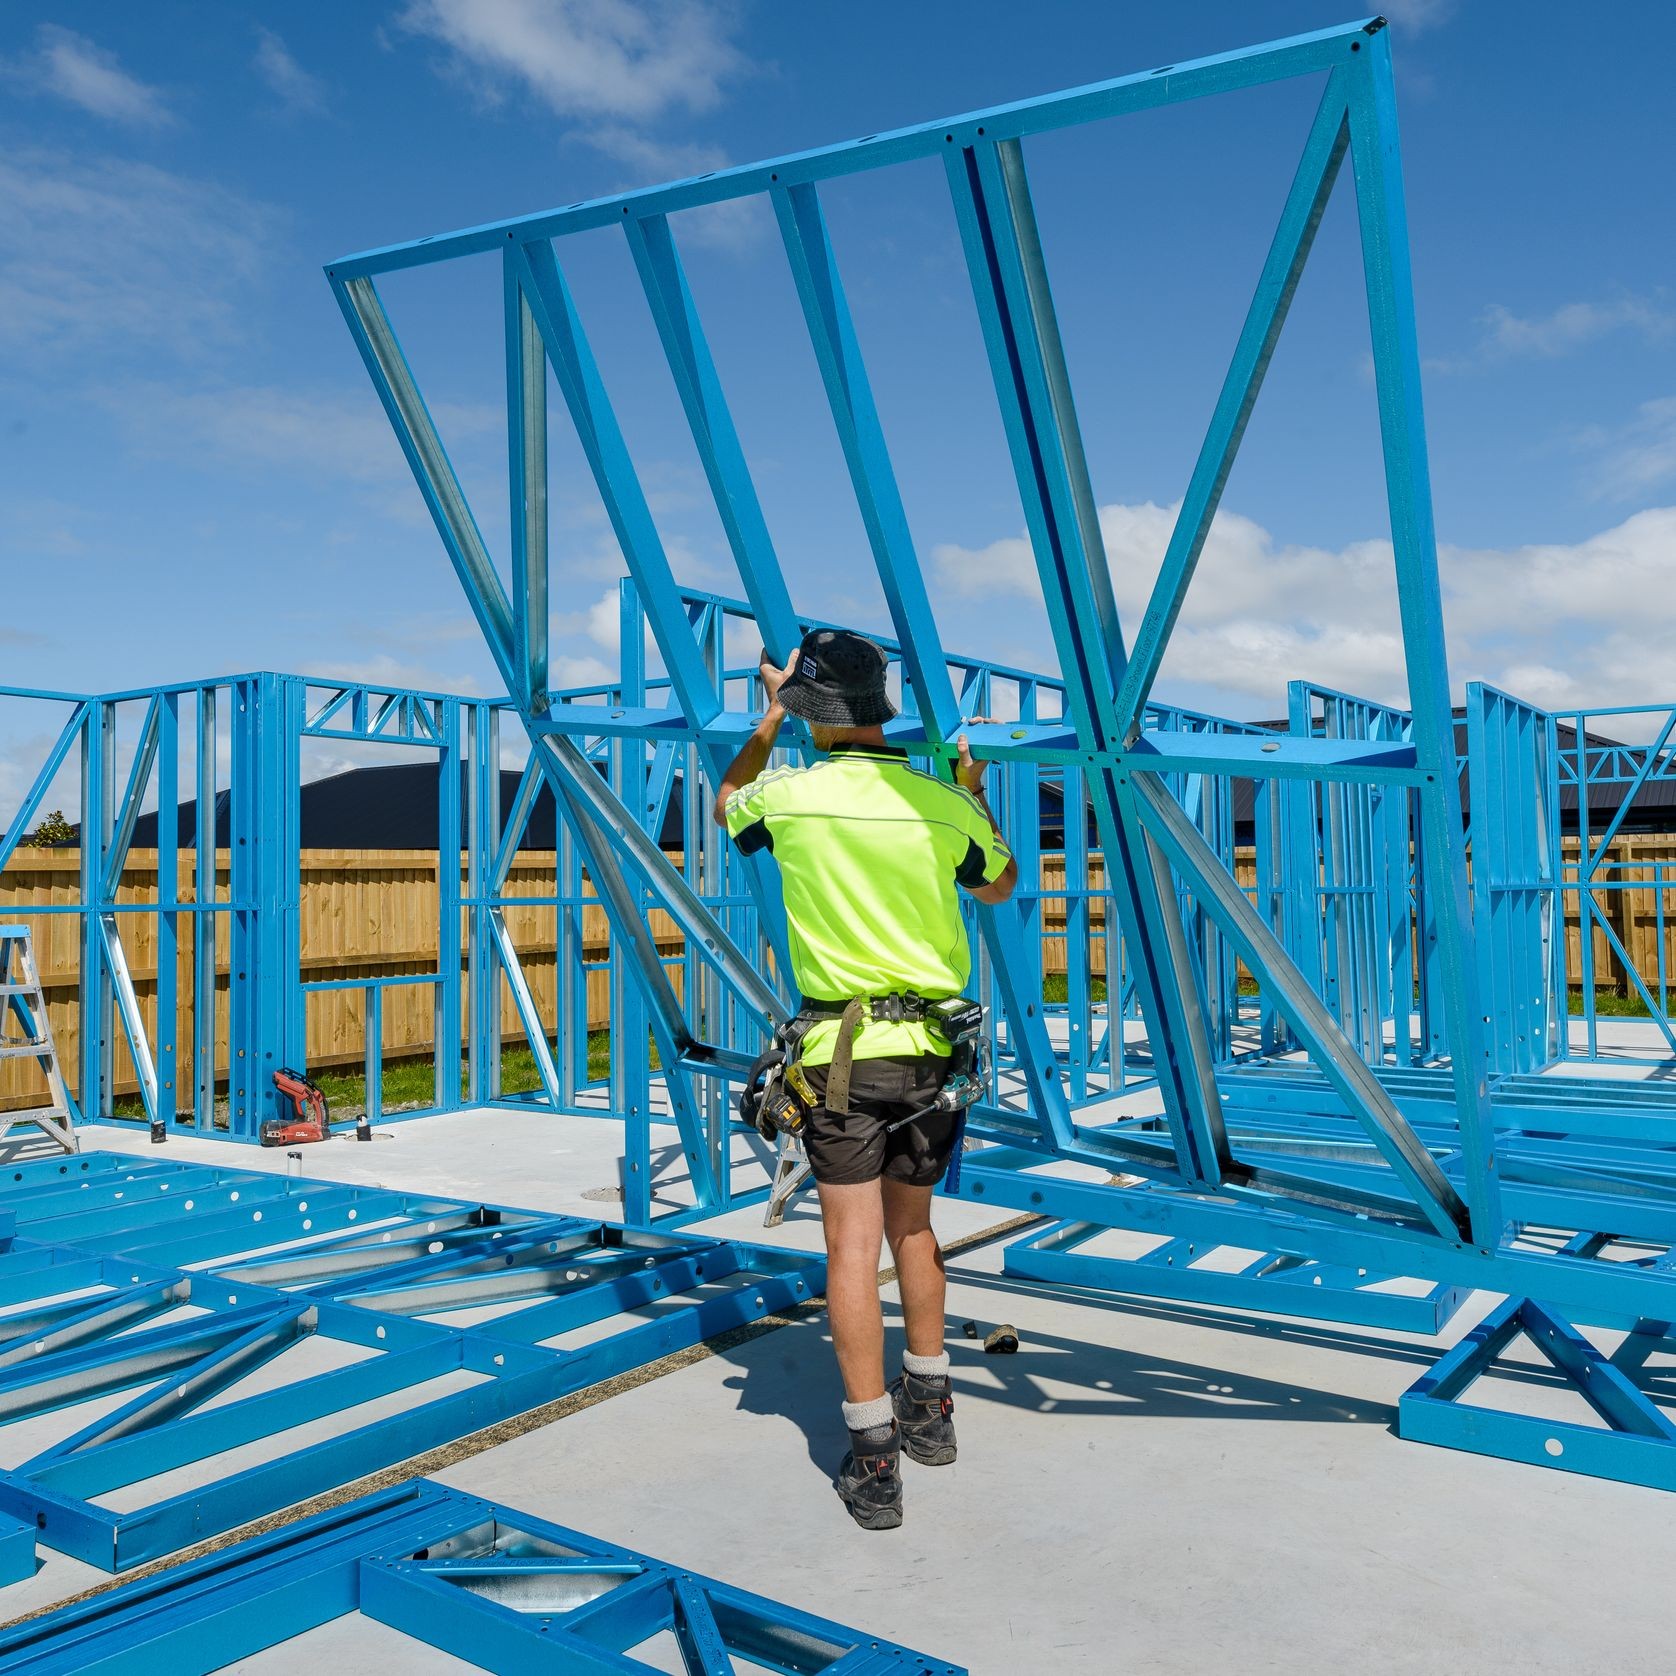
(76,69)
(1639,456)
(630,59)
(296,88)
(1506,336)
(1561,623)
(390,670)
(610,67)
(317,435)
(119,256)
(1571,326)
(1415,16)
(579,669)
(730,225)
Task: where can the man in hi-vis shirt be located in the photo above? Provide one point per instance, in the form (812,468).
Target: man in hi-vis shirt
(872,855)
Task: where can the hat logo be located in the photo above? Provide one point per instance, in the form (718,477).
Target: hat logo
(807,668)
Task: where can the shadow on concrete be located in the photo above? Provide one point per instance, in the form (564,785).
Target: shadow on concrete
(1318,1335)
(791,1373)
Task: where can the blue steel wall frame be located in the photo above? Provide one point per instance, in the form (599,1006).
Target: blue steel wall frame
(486,1583)
(1325,1163)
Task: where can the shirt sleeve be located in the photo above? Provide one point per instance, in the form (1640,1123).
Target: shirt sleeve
(987,854)
(747,816)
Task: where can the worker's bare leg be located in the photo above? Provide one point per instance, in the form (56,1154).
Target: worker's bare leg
(919,1264)
(852,1216)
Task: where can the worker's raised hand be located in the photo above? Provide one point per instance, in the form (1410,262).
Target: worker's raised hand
(969,771)
(772,676)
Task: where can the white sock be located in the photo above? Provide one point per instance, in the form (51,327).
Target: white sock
(926,1367)
(869,1416)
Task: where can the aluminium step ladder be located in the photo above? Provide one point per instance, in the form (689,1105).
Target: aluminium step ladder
(26,1033)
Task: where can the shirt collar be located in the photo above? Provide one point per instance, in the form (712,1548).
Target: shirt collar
(884,753)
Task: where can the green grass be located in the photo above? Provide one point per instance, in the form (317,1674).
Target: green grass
(411,1083)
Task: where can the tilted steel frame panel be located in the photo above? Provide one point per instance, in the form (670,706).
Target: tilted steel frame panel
(1360,1163)
(1148,849)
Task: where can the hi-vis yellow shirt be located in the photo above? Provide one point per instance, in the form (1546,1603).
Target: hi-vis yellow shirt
(871,853)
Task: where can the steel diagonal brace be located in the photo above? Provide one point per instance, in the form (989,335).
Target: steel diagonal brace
(23,817)
(1220,895)
(65,1326)
(855,416)
(687,351)
(1305,204)
(1021,333)
(215,1372)
(578,788)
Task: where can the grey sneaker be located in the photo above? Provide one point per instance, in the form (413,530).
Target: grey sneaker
(870,1482)
(925,1418)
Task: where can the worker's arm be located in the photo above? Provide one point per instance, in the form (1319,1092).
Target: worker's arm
(754,753)
(969,773)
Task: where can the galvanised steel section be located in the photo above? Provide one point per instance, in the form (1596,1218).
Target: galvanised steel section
(1151,849)
(236,742)
(1607,777)
(1517,897)
(253,1316)
(1633,1438)
(1272,1282)
(485,1583)
(1340,864)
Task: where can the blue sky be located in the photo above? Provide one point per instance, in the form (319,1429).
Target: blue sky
(195,476)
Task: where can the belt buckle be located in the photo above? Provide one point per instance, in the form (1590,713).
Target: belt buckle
(892,1005)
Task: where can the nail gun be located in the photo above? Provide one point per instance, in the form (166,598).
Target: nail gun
(308,1100)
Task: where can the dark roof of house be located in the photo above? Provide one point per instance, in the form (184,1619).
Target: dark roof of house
(388,806)
(394,806)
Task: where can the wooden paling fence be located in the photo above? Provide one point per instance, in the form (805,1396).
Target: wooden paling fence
(374,913)
(364,913)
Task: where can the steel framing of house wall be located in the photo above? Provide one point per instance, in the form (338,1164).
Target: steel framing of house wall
(1395,1169)
(492,1586)
(199,1289)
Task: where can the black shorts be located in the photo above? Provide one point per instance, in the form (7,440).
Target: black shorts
(853,1147)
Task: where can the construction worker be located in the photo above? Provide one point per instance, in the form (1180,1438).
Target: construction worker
(871,852)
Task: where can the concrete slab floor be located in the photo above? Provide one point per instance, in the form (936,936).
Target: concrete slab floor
(1143,1488)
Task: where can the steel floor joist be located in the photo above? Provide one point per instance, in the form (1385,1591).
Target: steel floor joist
(258,1347)
(1274,1283)
(480,1581)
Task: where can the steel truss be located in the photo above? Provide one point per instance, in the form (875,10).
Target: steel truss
(485,1583)
(309,1332)
(1326,1157)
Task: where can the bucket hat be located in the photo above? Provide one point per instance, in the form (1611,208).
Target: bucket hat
(838,681)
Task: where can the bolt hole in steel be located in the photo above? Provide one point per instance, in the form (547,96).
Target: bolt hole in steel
(307,1224)
(434,1246)
(188,1205)
(378,1333)
(1554,1447)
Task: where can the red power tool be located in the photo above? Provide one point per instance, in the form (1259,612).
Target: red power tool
(313,1114)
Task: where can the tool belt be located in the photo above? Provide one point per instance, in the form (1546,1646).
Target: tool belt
(777,1097)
